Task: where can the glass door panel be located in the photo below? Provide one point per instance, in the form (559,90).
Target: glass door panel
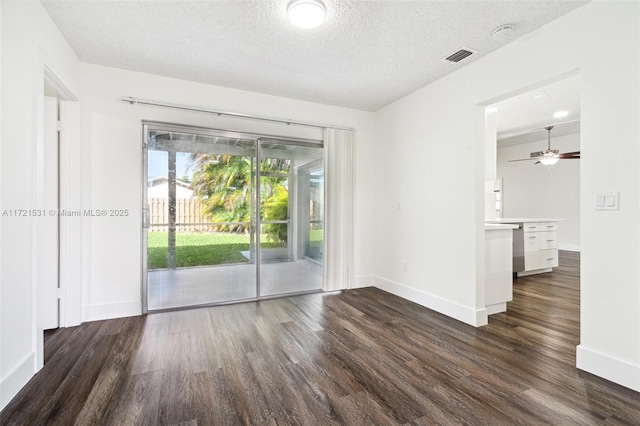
(314,232)
(201,243)
(274,214)
(290,217)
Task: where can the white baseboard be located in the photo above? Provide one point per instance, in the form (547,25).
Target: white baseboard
(15,380)
(496,308)
(362,281)
(111,310)
(616,370)
(474,317)
(569,247)
(534,272)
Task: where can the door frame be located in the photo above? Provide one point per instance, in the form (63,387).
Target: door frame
(70,288)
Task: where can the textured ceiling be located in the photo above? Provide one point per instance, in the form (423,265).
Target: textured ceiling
(519,117)
(365,55)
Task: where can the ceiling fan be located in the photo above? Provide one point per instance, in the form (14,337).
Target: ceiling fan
(550,156)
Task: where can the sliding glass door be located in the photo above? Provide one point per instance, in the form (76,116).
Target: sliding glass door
(229,217)
(291,216)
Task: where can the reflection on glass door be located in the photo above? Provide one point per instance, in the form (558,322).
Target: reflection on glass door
(291,217)
(218,228)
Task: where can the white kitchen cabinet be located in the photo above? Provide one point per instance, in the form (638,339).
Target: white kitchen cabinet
(540,246)
(498,267)
(535,247)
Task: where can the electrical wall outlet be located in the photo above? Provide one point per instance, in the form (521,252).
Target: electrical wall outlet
(404,265)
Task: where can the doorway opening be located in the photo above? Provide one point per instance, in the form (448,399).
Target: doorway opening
(529,188)
(229,216)
(523,188)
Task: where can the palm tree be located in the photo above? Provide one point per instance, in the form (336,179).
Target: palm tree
(223,183)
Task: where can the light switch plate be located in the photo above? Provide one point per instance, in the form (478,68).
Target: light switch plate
(607,201)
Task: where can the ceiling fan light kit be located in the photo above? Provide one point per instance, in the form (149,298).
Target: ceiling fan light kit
(549,156)
(549,159)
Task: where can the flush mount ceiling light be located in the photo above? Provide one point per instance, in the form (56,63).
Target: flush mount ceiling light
(306,13)
(560,114)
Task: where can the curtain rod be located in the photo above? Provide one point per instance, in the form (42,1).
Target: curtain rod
(134,101)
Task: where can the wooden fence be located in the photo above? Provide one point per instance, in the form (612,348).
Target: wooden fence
(189,215)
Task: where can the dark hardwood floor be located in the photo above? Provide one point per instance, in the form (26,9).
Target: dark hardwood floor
(360,357)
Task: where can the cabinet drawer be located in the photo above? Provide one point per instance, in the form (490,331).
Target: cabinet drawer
(547,240)
(549,258)
(541,259)
(531,227)
(548,226)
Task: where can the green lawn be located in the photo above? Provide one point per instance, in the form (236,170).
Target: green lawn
(211,248)
(196,249)
(316,242)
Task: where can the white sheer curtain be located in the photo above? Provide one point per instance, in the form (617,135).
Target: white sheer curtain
(338,244)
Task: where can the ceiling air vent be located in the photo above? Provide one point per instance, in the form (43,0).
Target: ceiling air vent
(456,57)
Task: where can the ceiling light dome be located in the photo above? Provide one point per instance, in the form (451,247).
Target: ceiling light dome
(306,13)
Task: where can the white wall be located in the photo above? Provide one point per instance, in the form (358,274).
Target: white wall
(430,145)
(113,131)
(9,393)
(539,191)
(29,41)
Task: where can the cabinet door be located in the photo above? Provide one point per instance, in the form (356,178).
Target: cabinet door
(532,259)
(531,244)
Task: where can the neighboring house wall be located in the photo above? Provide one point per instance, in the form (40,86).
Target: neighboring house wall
(162,191)
(539,191)
(430,145)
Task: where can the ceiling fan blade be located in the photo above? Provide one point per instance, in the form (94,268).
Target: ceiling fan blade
(523,159)
(568,155)
(550,156)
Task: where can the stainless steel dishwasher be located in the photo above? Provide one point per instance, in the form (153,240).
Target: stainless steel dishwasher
(518,249)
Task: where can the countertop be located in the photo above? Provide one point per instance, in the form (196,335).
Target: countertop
(523,220)
(498,226)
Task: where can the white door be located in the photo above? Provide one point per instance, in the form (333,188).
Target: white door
(48,226)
